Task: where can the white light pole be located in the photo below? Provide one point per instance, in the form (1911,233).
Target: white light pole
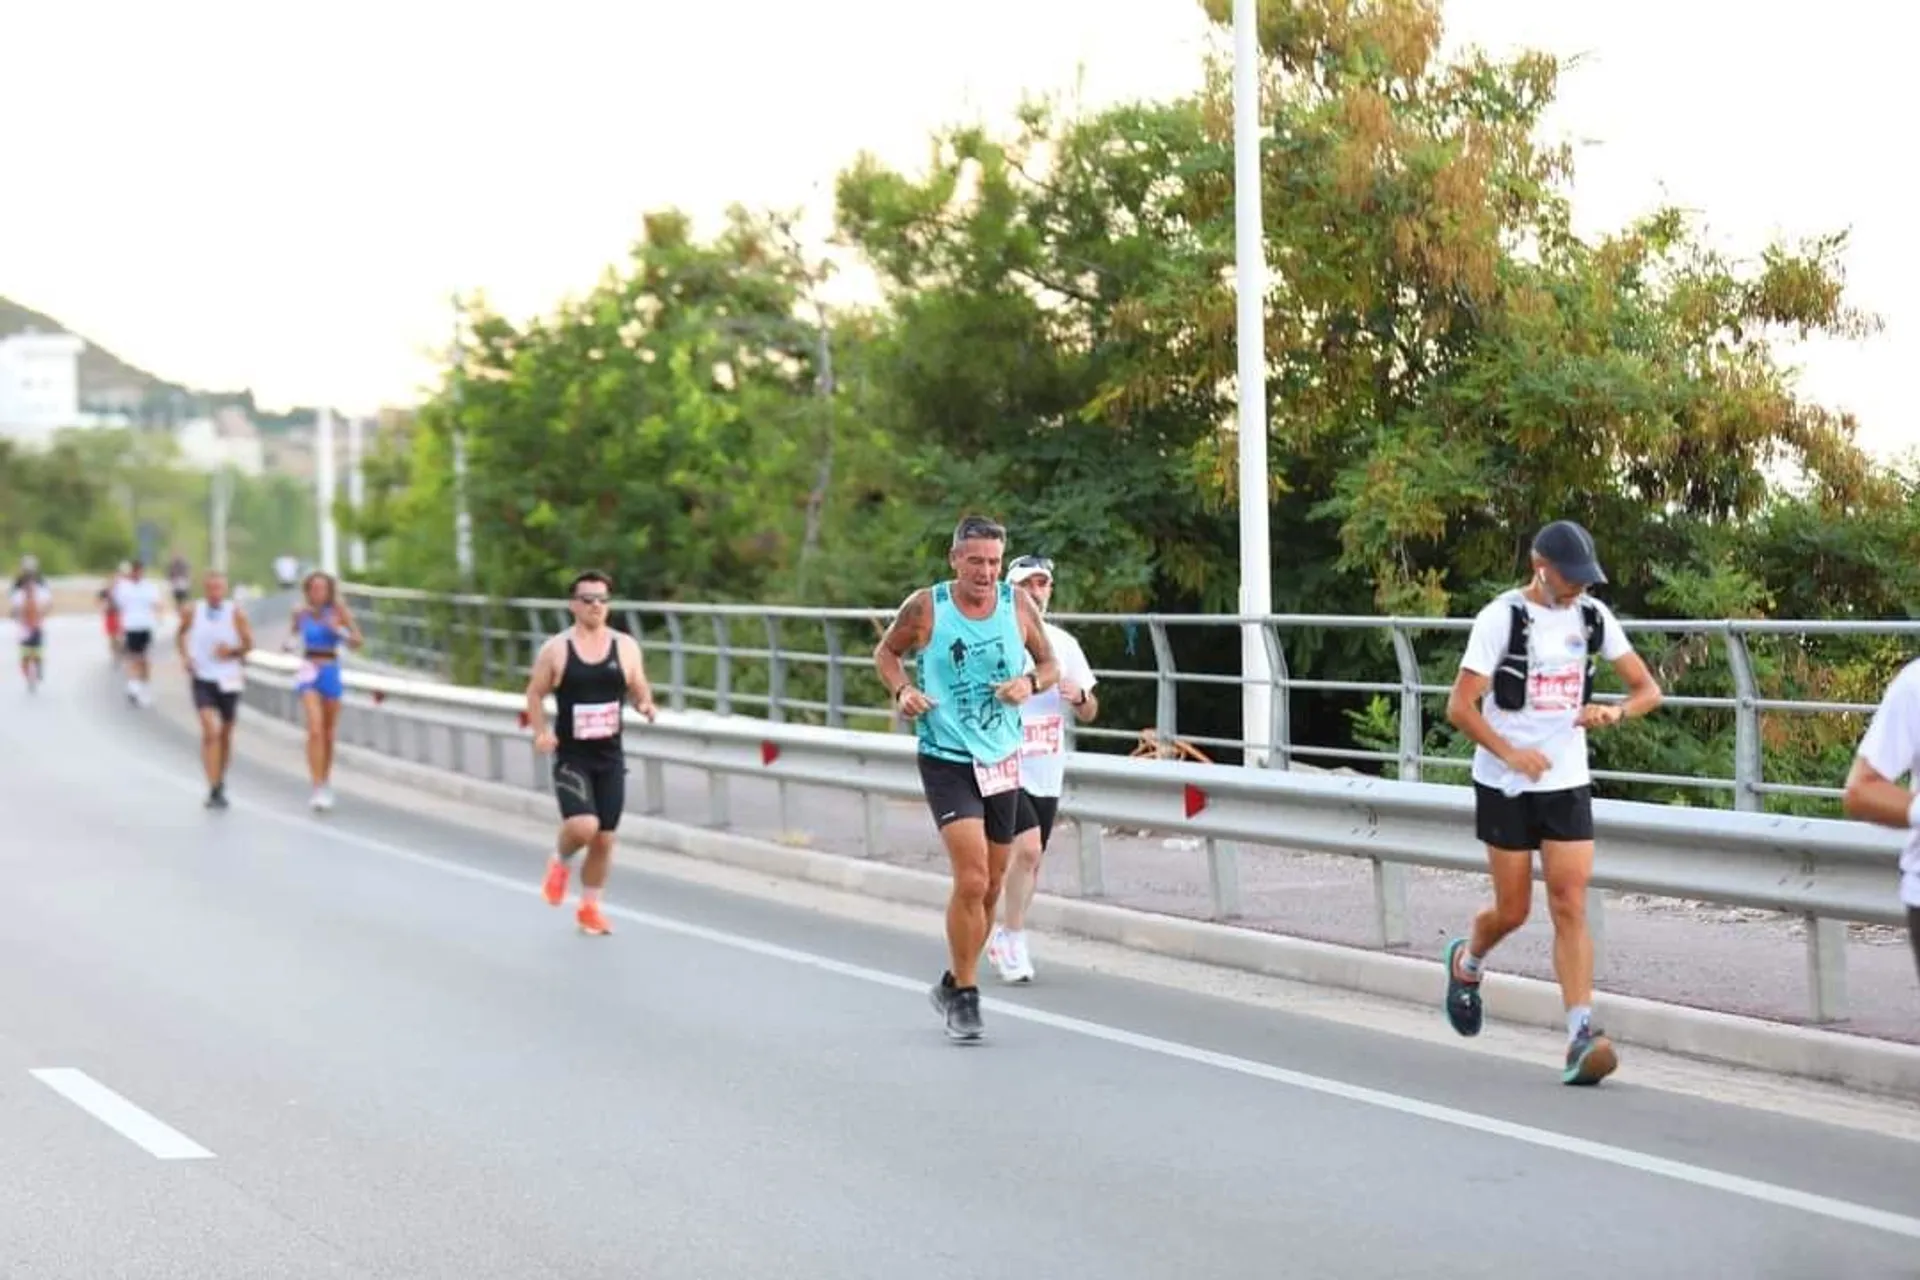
(462,518)
(356,493)
(1250,262)
(323,494)
(220,497)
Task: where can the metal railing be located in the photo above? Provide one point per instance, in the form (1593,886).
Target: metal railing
(1825,871)
(1734,678)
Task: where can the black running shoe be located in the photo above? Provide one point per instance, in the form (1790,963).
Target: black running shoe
(1463,998)
(963,1014)
(217,798)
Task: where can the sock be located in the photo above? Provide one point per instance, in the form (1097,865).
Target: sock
(1469,963)
(1579,1018)
(589,896)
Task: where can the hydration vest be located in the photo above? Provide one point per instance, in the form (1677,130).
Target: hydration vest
(1510,679)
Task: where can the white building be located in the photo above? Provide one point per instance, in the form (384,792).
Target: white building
(39,386)
(226,439)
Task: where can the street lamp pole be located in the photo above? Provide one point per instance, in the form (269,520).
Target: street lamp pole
(1256,572)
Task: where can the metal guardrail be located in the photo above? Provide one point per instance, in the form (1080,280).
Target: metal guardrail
(785,664)
(1826,871)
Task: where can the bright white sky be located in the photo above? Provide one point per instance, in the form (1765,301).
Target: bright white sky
(232,193)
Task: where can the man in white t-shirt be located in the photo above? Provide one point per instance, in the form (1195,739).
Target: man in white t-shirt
(137,598)
(1889,751)
(1043,770)
(1524,696)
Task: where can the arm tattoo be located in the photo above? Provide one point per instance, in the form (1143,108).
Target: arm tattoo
(906,633)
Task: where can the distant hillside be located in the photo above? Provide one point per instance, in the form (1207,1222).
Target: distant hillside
(102,373)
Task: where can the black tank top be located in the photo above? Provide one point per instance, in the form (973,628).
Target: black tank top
(589,700)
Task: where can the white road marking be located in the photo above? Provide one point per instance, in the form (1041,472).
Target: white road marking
(1606,1153)
(159,1139)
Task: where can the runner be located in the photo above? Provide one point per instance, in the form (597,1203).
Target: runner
(213,640)
(180,578)
(1890,750)
(137,599)
(590,669)
(110,613)
(973,633)
(30,600)
(1043,771)
(318,626)
(1523,695)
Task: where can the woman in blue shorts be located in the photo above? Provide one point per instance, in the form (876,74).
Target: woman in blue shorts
(319,626)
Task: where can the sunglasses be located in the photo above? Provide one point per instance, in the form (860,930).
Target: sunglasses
(591,599)
(1043,563)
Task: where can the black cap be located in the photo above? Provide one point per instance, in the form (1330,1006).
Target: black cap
(1570,550)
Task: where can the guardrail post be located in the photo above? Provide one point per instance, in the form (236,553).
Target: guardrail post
(1223,877)
(718,810)
(534,636)
(1166,720)
(1093,862)
(1748,770)
(1826,968)
(1390,878)
(776,675)
(836,679)
(873,833)
(1280,712)
(496,758)
(676,664)
(653,774)
(722,667)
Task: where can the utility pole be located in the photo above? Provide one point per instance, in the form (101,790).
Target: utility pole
(462,518)
(356,493)
(323,494)
(1250,267)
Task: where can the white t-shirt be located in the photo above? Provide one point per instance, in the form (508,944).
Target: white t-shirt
(1892,747)
(138,602)
(1556,674)
(1044,717)
(42,596)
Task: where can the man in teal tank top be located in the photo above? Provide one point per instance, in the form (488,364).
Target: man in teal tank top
(972,635)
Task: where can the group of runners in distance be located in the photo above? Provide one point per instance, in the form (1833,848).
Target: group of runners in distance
(993,698)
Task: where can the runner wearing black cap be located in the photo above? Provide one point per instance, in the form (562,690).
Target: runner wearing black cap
(1524,695)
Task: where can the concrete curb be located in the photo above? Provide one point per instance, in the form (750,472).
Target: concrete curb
(1781,1048)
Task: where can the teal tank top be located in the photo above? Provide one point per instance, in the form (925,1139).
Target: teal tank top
(963,662)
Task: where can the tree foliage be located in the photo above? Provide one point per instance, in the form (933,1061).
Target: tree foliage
(1450,366)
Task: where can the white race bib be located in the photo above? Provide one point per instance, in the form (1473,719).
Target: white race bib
(231,681)
(596,720)
(1044,736)
(996,778)
(1556,688)
(307,674)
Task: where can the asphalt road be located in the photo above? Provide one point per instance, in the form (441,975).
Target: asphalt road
(360,1045)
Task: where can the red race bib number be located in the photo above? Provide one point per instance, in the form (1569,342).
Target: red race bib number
(1044,736)
(596,721)
(997,778)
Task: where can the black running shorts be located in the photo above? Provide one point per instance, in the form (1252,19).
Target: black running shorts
(1036,811)
(592,788)
(1913,933)
(1523,822)
(208,697)
(953,795)
(137,641)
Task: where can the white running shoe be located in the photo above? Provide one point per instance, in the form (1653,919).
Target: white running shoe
(1019,965)
(322,798)
(997,950)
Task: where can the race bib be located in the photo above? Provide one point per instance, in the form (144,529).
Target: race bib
(1556,689)
(1044,736)
(596,720)
(307,674)
(231,681)
(996,778)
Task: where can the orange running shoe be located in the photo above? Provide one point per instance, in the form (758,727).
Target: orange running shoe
(555,889)
(591,921)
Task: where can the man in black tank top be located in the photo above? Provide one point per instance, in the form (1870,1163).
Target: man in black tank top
(591,670)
